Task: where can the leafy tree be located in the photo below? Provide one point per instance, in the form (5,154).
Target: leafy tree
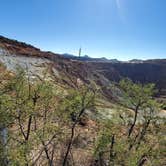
(126,139)
(137,97)
(29,106)
(75,104)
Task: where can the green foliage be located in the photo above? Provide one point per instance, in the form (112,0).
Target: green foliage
(28,110)
(35,119)
(76,100)
(136,93)
(145,142)
(38,122)
(103,141)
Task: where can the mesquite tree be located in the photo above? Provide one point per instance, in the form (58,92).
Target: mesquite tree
(126,138)
(75,104)
(137,97)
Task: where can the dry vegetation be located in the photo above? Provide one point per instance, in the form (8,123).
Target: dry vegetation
(42,127)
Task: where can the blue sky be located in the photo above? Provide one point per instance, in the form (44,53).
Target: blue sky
(122,29)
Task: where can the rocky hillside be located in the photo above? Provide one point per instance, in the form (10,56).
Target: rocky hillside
(152,71)
(60,122)
(70,70)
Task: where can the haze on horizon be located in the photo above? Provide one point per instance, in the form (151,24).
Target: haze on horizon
(121,29)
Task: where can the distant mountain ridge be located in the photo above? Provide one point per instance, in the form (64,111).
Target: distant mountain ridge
(88,58)
(103,59)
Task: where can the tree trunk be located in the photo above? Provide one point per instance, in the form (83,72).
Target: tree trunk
(134,122)
(72,136)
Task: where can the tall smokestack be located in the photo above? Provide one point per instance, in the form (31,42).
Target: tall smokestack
(80,52)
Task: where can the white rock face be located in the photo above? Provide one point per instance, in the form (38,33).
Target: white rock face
(32,65)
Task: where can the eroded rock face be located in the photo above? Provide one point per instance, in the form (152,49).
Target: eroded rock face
(32,65)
